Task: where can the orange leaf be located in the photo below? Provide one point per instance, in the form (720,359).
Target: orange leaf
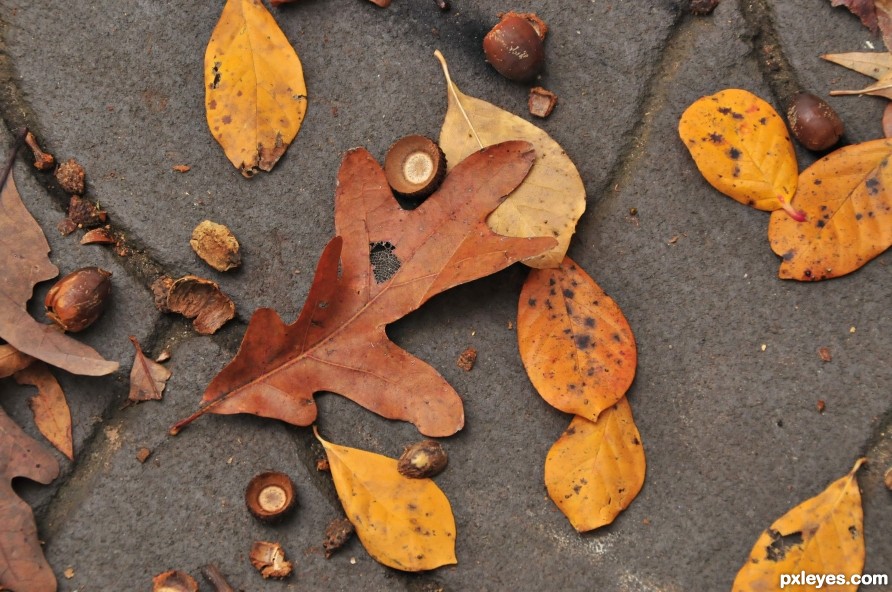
(847,198)
(575,343)
(12,360)
(822,535)
(147,377)
(51,413)
(595,469)
(386,263)
(742,147)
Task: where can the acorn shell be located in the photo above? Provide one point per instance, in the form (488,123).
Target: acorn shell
(415,166)
(270,496)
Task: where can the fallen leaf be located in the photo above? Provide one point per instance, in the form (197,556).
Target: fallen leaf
(822,535)
(847,198)
(575,343)
(269,559)
(871,63)
(25,263)
(595,469)
(743,149)
(147,377)
(22,564)
(873,14)
(393,261)
(887,121)
(881,88)
(51,413)
(551,199)
(403,523)
(12,360)
(255,96)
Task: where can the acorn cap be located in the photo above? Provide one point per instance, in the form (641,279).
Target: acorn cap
(415,166)
(269,496)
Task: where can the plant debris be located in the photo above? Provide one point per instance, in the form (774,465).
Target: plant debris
(702,7)
(194,298)
(824,353)
(422,460)
(100,236)
(147,377)
(269,559)
(71,177)
(270,496)
(82,213)
(43,161)
(174,581)
(467,359)
(78,300)
(541,102)
(216,245)
(337,533)
(216,578)
(143,454)
(182,168)
(322,465)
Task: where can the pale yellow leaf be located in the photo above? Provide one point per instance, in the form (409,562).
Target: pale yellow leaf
(822,535)
(873,64)
(880,88)
(403,523)
(255,96)
(550,200)
(595,469)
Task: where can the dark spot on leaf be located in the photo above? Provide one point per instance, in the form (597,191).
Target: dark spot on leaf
(583,341)
(716,138)
(821,223)
(568,293)
(636,441)
(858,216)
(384,263)
(548,304)
(551,281)
(617,338)
(570,431)
(763,121)
(788,255)
(853,531)
(216,72)
(552,292)
(589,322)
(734,153)
(737,116)
(725,110)
(532,302)
(227,119)
(818,181)
(751,202)
(807,273)
(577,488)
(873,185)
(735,172)
(779,546)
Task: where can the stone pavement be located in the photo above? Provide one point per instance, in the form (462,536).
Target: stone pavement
(731,430)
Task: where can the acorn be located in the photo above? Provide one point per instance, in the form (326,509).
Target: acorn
(415,166)
(814,123)
(78,299)
(270,496)
(514,48)
(423,459)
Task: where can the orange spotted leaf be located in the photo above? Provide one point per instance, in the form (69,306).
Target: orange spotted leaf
(595,469)
(742,147)
(575,343)
(847,199)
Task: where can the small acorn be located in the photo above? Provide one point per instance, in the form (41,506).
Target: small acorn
(423,459)
(415,166)
(814,123)
(78,299)
(270,496)
(514,47)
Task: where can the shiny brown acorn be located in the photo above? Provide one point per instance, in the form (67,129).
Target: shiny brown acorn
(814,123)
(514,48)
(78,299)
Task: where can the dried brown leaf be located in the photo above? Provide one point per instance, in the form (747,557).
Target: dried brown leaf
(12,360)
(147,377)
(51,413)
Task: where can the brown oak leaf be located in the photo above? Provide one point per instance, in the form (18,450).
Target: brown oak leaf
(391,262)
(24,264)
(147,377)
(22,564)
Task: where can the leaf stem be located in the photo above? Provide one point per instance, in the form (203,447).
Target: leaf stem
(451,87)
(795,214)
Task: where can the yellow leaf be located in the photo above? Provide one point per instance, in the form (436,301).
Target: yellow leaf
(255,94)
(595,469)
(550,200)
(847,199)
(742,147)
(873,64)
(403,523)
(575,343)
(822,535)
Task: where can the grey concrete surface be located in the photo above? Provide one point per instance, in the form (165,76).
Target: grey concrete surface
(731,430)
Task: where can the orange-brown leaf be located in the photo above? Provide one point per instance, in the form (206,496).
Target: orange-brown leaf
(51,413)
(847,198)
(575,343)
(742,147)
(822,535)
(391,262)
(22,564)
(24,264)
(147,377)
(595,469)
(12,360)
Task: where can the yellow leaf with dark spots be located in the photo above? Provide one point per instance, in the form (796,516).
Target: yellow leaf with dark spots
(403,523)
(847,200)
(255,96)
(575,343)
(595,469)
(822,535)
(742,147)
